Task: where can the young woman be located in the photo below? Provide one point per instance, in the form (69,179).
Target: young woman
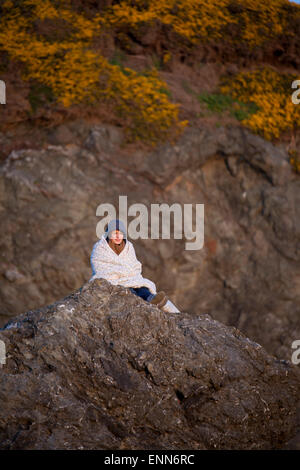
(113,258)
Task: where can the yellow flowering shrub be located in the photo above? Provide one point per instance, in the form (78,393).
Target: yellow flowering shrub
(75,73)
(272,93)
(201,20)
(67,64)
(192,19)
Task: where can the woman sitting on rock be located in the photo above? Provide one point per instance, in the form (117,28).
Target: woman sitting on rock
(113,258)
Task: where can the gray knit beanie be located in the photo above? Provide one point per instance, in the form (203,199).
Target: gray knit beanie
(115,224)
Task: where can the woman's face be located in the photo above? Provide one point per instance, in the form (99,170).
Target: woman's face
(116,236)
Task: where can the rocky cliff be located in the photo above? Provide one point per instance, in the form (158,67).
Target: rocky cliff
(247,273)
(103,369)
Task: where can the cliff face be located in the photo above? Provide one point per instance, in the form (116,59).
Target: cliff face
(103,369)
(247,273)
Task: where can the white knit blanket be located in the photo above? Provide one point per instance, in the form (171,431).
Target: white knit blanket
(123,269)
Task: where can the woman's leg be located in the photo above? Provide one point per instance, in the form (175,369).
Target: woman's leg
(143,292)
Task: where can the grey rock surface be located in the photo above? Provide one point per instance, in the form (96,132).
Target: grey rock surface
(247,273)
(103,369)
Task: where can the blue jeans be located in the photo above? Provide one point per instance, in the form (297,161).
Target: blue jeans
(143,292)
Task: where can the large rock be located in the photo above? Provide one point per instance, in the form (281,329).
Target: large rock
(247,273)
(103,369)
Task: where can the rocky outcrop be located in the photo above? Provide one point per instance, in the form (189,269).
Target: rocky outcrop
(103,369)
(247,273)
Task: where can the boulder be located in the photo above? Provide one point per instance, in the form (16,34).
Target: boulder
(103,369)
